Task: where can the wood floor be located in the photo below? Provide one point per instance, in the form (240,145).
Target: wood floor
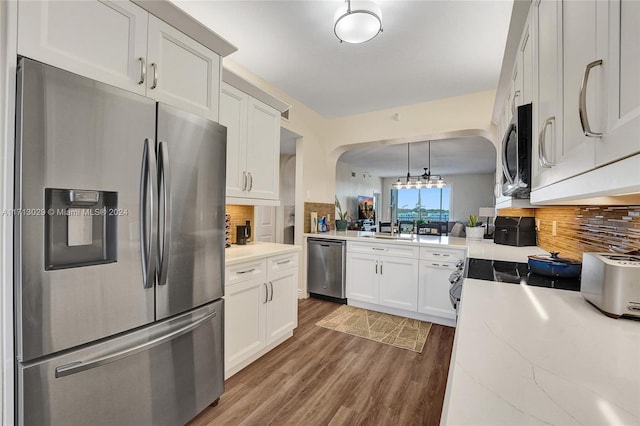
(324,377)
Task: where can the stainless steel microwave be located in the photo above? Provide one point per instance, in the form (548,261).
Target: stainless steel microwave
(516,154)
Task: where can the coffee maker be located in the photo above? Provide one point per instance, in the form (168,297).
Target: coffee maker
(243,233)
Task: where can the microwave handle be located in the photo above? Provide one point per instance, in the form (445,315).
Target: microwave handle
(542,139)
(505,168)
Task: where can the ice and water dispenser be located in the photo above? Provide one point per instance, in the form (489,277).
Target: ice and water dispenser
(81,228)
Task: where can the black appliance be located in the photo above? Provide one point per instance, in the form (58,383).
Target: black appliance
(515,231)
(516,273)
(516,154)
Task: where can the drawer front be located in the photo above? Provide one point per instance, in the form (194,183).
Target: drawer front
(282,262)
(406,251)
(246,271)
(441,254)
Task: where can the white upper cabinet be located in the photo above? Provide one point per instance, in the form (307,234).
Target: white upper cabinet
(590,116)
(623,84)
(253,147)
(119,43)
(183,72)
(102,40)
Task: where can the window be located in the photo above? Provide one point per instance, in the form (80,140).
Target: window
(428,204)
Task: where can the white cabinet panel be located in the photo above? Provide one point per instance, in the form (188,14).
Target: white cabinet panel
(102,40)
(399,283)
(244,321)
(434,289)
(281,306)
(184,73)
(233,115)
(263,150)
(362,277)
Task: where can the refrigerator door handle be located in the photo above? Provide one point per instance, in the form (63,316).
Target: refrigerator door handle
(148,213)
(165,232)
(79,366)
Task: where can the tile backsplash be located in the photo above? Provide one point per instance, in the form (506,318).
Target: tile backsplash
(582,229)
(239,216)
(323,209)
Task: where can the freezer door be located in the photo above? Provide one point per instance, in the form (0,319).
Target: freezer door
(164,374)
(192,169)
(80,146)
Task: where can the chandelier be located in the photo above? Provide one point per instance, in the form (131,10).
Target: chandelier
(358,23)
(426,179)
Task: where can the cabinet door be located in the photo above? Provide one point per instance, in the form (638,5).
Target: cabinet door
(433,293)
(526,70)
(244,325)
(182,72)
(623,87)
(233,115)
(547,99)
(399,283)
(103,40)
(282,304)
(576,152)
(263,151)
(362,277)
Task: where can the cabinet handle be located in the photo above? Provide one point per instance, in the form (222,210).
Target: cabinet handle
(513,101)
(271,285)
(376,266)
(542,140)
(435,264)
(381,267)
(246,271)
(378,249)
(250,181)
(582,105)
(266,293)
(282,262)
(143,71)
(244,181)
(154,84)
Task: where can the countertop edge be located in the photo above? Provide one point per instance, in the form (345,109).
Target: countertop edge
(257,250)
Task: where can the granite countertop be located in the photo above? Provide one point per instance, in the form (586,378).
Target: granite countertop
(256,250)
(529,355)
(485,249)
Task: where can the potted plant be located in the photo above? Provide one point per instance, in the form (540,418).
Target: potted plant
(341,221)
(473,230)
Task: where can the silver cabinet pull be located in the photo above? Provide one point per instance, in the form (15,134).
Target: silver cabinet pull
(582,105)
(244,181)
(154,84)
(282,262)
(143,71)
(246,271)
(266,293)
(165,179)
(79,366)
(250,181)
(542,140)
(376,266)
(271,285)
(148,213)
(378,249)
(381,267)
(513,101)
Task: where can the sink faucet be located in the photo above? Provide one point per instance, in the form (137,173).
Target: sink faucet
(391,218)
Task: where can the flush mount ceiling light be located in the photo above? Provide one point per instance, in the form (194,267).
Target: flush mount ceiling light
(426,179)
(357,21)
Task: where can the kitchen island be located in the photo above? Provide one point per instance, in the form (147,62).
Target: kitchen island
(528,355)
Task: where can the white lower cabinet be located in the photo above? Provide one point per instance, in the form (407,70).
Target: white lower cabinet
(260,308)
(433,291)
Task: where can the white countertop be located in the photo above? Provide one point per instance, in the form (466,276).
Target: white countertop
(485,249)
(255,250)
(528,355)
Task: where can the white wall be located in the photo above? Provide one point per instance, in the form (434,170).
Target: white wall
(348,187)
(468,194)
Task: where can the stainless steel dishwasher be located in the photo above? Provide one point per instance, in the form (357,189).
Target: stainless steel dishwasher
(326,269)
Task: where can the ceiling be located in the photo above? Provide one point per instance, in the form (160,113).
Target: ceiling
(430,49)
(448,157)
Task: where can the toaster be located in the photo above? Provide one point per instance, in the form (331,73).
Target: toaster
(611,282)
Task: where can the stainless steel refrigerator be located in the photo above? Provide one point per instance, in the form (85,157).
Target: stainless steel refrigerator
(119,247)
